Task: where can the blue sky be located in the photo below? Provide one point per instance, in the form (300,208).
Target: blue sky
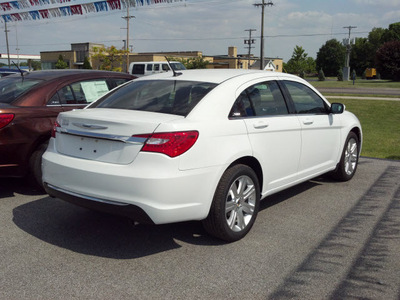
(210,26)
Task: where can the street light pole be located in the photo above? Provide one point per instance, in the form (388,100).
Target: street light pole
(127,18)
(8,48)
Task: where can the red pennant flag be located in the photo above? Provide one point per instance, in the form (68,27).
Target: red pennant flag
(6,6)
(114,4)
(76,9)
(44,13)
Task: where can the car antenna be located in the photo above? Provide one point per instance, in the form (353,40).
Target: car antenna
(170,66)
(22,73)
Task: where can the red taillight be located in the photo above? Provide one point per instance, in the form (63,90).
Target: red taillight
(170,143)
(53,132)
(5,119)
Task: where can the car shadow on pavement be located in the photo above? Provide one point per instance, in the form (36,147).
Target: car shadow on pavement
(99,234)
(89,232)
(10,186)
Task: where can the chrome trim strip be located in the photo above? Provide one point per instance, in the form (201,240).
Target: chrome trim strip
(87,197)
(119,138)
(89,126)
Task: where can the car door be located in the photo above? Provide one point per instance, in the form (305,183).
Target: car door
(320,133)
(275,135)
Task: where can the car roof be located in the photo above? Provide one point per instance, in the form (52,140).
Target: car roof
(54,74)
(216,76)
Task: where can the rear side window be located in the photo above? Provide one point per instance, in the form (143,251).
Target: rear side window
(12,88)
(83,92)
(163,96)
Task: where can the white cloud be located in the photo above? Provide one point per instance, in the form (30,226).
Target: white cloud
(388,3)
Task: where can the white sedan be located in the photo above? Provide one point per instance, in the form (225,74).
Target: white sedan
(199,145)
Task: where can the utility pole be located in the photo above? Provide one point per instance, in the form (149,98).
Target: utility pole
(8,48)
(263,4)
(249,42)
(346,69)
(127,18)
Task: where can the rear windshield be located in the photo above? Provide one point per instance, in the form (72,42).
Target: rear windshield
(163,96)
(12,87)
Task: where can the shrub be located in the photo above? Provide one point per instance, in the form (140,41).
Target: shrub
(321,75)
(340,75)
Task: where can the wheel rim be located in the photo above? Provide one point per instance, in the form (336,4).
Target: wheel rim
(240,203)
(350,157)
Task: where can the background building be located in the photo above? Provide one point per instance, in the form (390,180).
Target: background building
(76,56)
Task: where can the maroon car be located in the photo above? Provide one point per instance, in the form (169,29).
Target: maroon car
(29,105)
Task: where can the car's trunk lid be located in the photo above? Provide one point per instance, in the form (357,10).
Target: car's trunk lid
(106,135)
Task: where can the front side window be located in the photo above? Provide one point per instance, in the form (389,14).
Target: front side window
(163,96)
(261,99)
(138,69)
(305,100)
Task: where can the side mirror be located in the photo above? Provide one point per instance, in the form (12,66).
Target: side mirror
(337,108)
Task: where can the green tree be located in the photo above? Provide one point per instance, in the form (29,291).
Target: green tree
(392,33)
(61,64)
(298,63)
(311,67)
(36,65)
(388,60)
(86,64)
(109,59)
(361,56)
(197,62)
(330,57)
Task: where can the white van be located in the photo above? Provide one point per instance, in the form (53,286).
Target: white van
(153,67)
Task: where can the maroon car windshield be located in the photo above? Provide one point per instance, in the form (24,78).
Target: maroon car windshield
(12,87)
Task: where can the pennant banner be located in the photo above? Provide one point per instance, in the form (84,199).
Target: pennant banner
(69,10)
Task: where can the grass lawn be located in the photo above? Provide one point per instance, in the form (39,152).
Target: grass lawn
(380,121)
(359,83)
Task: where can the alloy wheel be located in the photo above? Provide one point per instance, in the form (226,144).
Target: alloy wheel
(240,203)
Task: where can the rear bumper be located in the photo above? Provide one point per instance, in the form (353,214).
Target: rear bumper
(116,208)
(151,186)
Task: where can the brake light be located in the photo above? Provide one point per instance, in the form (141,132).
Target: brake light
(53,132)
(5,119)
(170,143)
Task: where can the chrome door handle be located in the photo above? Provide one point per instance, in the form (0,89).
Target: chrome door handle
(308,121)
(260,125)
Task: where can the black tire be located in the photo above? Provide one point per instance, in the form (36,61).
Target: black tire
(231,218)
(35,167)
(347,166)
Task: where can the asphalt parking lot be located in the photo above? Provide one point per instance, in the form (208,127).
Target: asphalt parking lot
(319,240)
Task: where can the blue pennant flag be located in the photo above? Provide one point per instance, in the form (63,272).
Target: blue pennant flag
(101,6)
